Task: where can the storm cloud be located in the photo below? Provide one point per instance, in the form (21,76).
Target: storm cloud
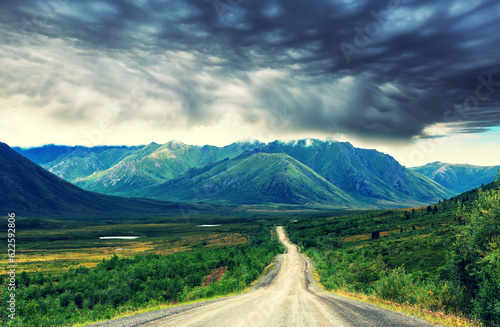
(384,69)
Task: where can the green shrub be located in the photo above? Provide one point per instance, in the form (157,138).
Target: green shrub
(474,261)
(396,286)
(487,303)
(66,298)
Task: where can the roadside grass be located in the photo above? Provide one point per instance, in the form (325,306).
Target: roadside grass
(267,270)
(437,318)
(433,317)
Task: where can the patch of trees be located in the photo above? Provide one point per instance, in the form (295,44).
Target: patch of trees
(475,258)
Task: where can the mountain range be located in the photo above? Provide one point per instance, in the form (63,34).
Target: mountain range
(306,171)
(28,189)
(459,178)
(369,176)
(121,170)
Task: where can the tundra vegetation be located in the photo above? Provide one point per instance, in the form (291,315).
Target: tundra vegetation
(443,257)
(119,285)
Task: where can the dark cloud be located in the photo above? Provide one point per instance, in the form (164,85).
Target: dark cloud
(371,68)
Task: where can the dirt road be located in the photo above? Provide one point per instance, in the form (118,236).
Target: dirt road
(289,299)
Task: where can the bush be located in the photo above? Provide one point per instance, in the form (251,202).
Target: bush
(79,300)
(475,260)
(65,299)
(487,303)
(396,286)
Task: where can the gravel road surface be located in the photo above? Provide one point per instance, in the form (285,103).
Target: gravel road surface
(287,297)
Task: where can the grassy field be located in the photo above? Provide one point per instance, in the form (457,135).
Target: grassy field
(52,246)
(413,237)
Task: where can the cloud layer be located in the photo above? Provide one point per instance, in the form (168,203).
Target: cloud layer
(372,69)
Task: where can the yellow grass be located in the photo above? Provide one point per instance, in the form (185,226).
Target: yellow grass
(355,238)
(438,318)
(60,256)
(389,232)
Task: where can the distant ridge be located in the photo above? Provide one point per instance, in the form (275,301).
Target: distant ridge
(459,177)
(28,189)
(367,175)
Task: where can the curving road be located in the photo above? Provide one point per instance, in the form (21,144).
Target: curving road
(288,298)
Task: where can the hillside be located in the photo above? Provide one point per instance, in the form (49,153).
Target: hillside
(458,177)
(28,189)
(135,168)
(253,178)
(71,163)
(368,175)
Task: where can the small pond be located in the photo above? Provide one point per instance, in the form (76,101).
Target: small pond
(118,237)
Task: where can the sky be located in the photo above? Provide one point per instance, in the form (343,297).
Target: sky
(417,79)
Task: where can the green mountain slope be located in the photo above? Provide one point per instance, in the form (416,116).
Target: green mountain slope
(147,166)
(253,178)
(368,175)
(458,177)
(29,190)
(72,163)
(155,164)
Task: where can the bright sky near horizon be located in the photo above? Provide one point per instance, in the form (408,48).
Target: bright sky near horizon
(416,79)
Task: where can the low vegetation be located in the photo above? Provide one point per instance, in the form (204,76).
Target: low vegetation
(127,284)
(54,246)
(440,258)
